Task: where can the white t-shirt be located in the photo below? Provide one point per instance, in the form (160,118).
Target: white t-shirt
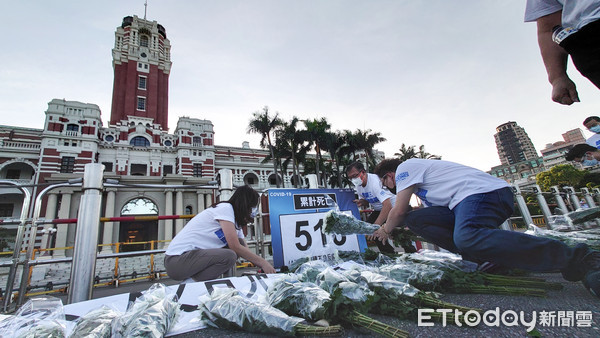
(575,13)
(374,192)
(444,183)
(594,141)
(204,231)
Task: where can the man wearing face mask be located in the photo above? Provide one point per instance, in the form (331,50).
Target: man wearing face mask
(369,189)
(592,124)
(585,154)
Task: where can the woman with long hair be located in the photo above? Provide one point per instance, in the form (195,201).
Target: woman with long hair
(211,242)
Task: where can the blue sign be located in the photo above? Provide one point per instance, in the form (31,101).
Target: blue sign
(296,217)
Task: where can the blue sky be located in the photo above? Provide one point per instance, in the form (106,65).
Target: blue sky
(439,73)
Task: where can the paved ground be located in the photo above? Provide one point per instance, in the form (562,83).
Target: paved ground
(572,299)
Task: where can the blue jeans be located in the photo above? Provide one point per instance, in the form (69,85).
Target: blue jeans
(471,229)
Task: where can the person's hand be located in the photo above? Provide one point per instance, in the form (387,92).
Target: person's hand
(381,235)
(268,268)
(361,202)
(564,91)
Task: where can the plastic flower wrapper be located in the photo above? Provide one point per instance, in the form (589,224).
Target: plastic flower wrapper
(585,215)
(369,257)
(303,299)
(309,271)
(329,278)
(340,223)
(589,237)
(226,308)
(151,315)
(96,323)
(456,276)
(38,317)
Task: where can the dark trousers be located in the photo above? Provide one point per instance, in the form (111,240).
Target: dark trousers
(584,48)
(471,229)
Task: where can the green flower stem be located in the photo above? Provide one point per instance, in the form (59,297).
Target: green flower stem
(376,326)
(311,330)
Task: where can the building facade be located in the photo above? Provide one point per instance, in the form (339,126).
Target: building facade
(135,148)
(513,144)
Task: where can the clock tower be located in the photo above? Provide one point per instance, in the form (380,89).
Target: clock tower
(141,63)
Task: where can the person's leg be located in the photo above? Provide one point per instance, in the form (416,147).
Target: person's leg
(434,224)
(477,234)
(201,264)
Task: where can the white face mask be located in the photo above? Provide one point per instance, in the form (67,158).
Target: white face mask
(595,129)
(356,181)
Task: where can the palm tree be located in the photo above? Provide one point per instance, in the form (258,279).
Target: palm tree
(336,144)
(317,129)
(263,124)
(294,140)
(365,140)
(410,152)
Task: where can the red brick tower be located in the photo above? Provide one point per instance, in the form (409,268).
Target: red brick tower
(142,63)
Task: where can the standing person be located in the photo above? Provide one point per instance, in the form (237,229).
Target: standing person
(592,123)
(567,27)
(464,209)
(370,191)
(211,242)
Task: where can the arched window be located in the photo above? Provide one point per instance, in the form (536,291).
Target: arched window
(139,141)
(143,41)
(251,179)
(140,206)
(72,127)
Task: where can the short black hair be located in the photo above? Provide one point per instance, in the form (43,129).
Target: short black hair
(589,118)
(386,166)
(356,165)
(579,150)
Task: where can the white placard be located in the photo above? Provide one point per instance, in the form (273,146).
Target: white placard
(301,236)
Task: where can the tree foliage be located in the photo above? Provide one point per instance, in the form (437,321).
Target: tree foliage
(561,175)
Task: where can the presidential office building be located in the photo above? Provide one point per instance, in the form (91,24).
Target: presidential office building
(135,147)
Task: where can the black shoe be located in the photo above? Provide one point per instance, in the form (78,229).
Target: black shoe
(591,280)
(576,272)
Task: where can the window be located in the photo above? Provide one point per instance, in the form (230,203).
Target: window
(109,138)
(139,141)
(72,127)
(138,169)
(6,209)
(142,82)
(188,210)
(13,174)
(197,141)
(67,164)
(108,166)
(141,103)
(197,172)
(143,41)
(168,169)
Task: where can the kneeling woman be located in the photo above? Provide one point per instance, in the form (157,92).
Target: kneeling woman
(211,242)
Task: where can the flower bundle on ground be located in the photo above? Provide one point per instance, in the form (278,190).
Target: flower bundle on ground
(340,223)
(346,303)
(151,315)
(585,215)
(443,272)
(589,237)
(96,323)
(226,308)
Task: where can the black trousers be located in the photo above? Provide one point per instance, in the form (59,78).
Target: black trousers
(584,48)
(383,247)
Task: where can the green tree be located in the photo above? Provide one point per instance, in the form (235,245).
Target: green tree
(336,144)
(294,141)
(590,180)
(263,124)
(561,175)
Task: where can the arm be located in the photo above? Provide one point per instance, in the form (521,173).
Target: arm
(397,213)
(361,202)
(555,61)
(242,250)
(383,214)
